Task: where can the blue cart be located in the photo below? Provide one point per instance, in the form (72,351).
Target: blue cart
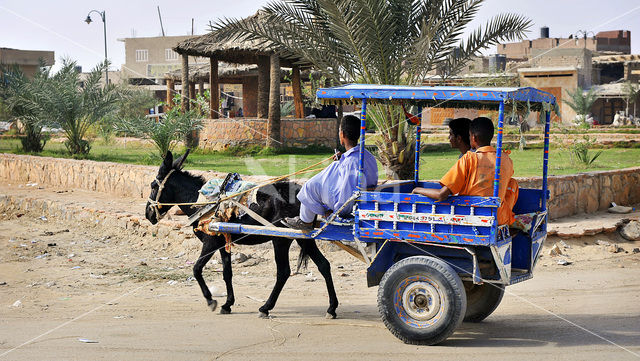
(436,263)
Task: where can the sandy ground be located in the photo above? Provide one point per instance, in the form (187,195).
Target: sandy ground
(134,297)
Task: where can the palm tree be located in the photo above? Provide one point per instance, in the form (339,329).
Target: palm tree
(63,100)
(165,133)
(18,94)
(581,101)
(377,42)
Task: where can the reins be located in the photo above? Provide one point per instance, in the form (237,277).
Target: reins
(157,204)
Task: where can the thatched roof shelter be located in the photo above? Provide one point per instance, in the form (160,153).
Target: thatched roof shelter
(267,60)
(235,50)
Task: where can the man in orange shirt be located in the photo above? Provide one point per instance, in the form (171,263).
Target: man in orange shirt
(473,173)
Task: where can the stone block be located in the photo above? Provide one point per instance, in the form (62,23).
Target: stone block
(631,231)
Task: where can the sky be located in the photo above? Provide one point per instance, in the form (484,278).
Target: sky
(59,25)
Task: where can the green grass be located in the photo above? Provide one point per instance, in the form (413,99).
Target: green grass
(434,163)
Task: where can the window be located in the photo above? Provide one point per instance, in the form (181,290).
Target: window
(169,54)
(142,55)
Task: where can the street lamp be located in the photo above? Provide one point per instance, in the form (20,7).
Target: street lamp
(104,22)
(584,34)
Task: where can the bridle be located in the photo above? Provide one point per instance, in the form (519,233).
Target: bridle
(154,202)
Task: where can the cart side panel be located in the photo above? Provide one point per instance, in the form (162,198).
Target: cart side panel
(458,220)
(527,245)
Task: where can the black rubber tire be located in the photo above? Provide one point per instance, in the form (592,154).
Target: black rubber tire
(482,300)
(438,275)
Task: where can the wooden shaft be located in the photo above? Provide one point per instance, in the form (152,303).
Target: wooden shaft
(352,251)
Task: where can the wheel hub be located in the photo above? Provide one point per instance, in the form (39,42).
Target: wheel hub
(421,301)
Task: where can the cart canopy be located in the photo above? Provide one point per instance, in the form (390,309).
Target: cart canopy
(446,96)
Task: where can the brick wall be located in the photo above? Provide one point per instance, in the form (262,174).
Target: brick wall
(570,194)
(220,134)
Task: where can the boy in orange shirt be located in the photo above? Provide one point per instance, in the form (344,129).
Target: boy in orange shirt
(473,173)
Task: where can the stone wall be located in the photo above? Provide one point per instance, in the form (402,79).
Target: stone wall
(222,133)
(570,194)
(589,192)
(123,180)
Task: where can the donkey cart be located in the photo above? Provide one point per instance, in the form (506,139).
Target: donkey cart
(436,263)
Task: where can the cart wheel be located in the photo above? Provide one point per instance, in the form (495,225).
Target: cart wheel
(482,300)
(421,300)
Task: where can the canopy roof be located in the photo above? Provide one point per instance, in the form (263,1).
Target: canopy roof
(456,97)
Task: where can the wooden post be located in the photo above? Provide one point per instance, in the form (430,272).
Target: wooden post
(214,88)
(170,92)
(192,92)
(297,92)
(273,124)
(201,92)
(263,87)
(249,96)
(185,82)
(201,86)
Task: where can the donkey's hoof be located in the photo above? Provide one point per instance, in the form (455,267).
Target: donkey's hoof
(225,311)
(213,304)
(263,314)
(330,316)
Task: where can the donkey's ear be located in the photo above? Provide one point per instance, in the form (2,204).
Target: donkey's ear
(168,161)
(178,163)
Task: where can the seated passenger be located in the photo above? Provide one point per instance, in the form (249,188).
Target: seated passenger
(459,135)
(473,173)
(328,190)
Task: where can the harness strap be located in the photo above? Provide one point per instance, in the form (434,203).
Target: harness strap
(154,202)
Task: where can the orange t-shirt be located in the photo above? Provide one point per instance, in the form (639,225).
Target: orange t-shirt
(473,174)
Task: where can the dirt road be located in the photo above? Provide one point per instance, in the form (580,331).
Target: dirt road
(134,297)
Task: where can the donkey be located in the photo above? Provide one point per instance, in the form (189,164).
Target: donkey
(274,202)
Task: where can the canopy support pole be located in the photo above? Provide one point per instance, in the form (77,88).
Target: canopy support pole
(363,127)
(496,179)
(545,162)
(417,161)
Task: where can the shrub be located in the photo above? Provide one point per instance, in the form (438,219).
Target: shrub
(164,133)
(580,149)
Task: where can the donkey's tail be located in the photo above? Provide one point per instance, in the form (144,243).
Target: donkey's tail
(303,260)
